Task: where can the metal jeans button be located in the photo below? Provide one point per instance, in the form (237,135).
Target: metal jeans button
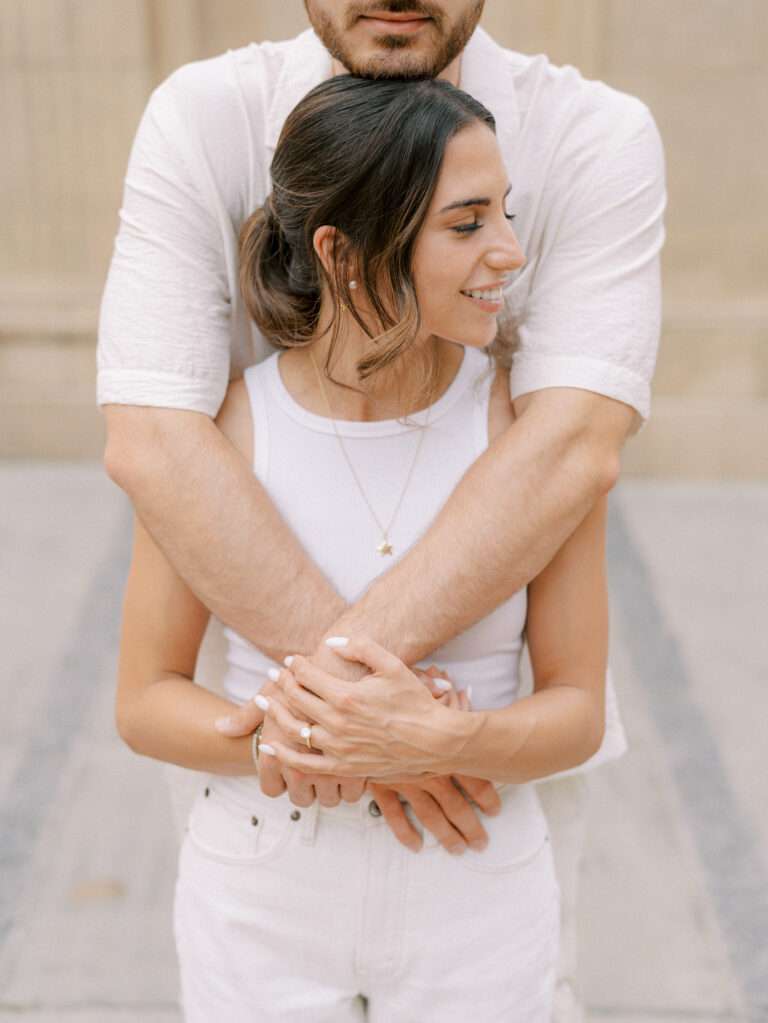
(295,815)
(374,809)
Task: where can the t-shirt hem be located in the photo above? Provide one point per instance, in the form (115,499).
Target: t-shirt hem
(536,372)
(159,390)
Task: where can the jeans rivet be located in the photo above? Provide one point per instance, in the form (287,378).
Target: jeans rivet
(295,815)
(254,821)
(207,793)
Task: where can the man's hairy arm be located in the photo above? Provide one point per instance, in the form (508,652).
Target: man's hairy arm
(209,514)
(507,518)
(510,513)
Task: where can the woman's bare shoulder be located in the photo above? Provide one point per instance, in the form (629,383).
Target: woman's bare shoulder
(501,413)
(235,420)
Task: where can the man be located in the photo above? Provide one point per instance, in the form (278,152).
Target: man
(588,189)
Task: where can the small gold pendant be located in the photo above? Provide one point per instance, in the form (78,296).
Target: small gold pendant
(385,547)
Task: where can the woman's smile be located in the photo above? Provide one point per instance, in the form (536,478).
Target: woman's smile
(467,244)
(489,300)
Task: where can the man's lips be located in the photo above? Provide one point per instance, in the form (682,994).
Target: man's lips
(396,24)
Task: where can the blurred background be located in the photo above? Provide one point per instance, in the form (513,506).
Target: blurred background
(75,76)
(674,885)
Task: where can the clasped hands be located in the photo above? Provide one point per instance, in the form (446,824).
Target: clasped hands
(383,733)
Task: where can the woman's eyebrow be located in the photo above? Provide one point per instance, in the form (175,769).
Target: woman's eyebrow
(482,201)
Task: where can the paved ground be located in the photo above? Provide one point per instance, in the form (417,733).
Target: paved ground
(675,892)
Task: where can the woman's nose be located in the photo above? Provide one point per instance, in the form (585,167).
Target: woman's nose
(507,255)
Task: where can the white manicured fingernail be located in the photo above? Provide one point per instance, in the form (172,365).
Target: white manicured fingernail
(288,660)
(336,641)
(306,732)
(261,701)
(469,692)
(273,674)
(442,683)
(266,748)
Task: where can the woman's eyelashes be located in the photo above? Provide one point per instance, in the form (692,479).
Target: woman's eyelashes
(467,228)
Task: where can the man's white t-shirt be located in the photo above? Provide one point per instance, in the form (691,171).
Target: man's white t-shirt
(587,173)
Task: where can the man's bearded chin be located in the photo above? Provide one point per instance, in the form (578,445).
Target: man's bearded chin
(396,56)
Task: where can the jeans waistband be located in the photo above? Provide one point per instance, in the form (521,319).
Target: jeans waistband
(245,792)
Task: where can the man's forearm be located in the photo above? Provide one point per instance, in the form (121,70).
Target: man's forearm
(504,522)
(216,524)
(206,510)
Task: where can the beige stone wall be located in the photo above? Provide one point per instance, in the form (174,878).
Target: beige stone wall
(75,74)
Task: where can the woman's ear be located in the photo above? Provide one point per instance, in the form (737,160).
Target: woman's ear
(323,241)
(331,246)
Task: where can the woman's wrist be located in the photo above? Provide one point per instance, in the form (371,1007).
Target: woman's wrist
(454,732)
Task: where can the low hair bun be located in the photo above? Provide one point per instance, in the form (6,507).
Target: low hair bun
(273,282)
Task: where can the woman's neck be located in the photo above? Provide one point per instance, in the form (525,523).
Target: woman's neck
(390,393)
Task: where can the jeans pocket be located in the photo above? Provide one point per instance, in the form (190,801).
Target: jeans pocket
(500,859)
(517,834)
(231,832)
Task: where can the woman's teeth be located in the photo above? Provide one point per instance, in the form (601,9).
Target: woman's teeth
(493,295)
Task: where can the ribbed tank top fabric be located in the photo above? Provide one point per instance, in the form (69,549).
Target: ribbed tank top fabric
(298,459)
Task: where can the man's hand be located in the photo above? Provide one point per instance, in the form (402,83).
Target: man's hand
(441,807)
(436,802)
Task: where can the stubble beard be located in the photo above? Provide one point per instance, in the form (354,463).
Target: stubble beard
(397,61)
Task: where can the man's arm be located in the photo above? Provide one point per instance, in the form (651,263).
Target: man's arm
(511,512)
(203,506)
(507,518)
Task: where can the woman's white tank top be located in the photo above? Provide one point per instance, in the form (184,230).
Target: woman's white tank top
(298,459)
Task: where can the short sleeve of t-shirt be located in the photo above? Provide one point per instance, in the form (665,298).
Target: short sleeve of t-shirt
(591,318)
(165,323)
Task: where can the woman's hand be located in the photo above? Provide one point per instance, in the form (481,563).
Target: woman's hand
(440,686)
(386,724)
(303,788)
(274,778)
(443,804)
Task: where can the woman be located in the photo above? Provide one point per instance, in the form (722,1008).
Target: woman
(376,268)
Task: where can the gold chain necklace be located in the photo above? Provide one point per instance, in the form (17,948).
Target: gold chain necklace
(385,547)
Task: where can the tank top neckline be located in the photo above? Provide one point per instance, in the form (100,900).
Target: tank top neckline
(378,427)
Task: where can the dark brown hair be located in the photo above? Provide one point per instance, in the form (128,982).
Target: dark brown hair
(362,155)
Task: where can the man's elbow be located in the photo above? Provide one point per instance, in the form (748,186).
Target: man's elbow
(591,464)
(141,440)
(129,442)
(586,431)
(604,434)
(604,468)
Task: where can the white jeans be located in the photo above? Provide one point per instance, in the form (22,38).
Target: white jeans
(319,915)
(565,802)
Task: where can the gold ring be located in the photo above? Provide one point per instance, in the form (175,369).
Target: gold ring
(306,733)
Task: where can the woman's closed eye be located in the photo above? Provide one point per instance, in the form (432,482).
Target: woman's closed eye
(467,228)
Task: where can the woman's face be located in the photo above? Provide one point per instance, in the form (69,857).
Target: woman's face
(466,244)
